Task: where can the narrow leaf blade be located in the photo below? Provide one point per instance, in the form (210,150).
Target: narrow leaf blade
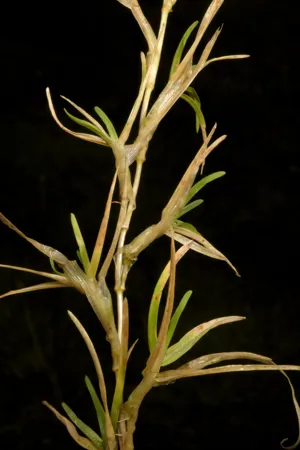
(52,264)
(193,336)
(98,407)
(84,258)
(185,225)
(156,297)
(200,184)
(36,287)
(193,94)
(180,48)
(191,206)
(57,276)
(83,427)
(85,124)
(80,440)
(200,121)
(176,316)
(110,128)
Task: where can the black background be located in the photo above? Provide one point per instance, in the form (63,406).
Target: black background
(90,53)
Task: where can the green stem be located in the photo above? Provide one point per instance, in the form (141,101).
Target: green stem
(118,397)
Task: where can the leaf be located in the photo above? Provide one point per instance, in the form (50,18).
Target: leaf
(155,359)
(84,258)
(84,428)
(180,48)
(75,277)
(36,287)
(81,441)
(131,349)
(216,358)
(98,407)
(97,252)
(94,356)
(57,256)
(90,118)
(193,336)
(110,128)
(197,366)
(85,124)
(110,436)
(176,316)
(190,95)
(179,198)
(193,94)
(187,226)
(57,277)
(200,184)
(190,206)
(184,234)
(84,136)
(156,297)
(169,376)
(52,264)
(200,121)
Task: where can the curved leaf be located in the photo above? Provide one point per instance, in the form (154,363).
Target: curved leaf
(181,46)
(187,226)
(193,336)
(200,121)
(85,429)
(85,124)
(186,233)
(52,264)
(110,128)
(80,440)
(90,119)
(193,94)
(85,136)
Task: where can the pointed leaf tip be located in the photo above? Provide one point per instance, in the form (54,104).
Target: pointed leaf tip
(188,341)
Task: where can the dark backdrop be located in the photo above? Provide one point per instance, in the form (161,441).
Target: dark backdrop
(89,52)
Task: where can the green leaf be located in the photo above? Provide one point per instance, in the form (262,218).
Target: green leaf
(190,206)
(110,128)
(176,316)
(84,259)
(196,188)
(52,264)
(193,94)
(187,226)
(85,429)
(153,313)
(79,256)
(156,298)
(177,350)
(200,121)
(85,124)
(98,407)
(180,48)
